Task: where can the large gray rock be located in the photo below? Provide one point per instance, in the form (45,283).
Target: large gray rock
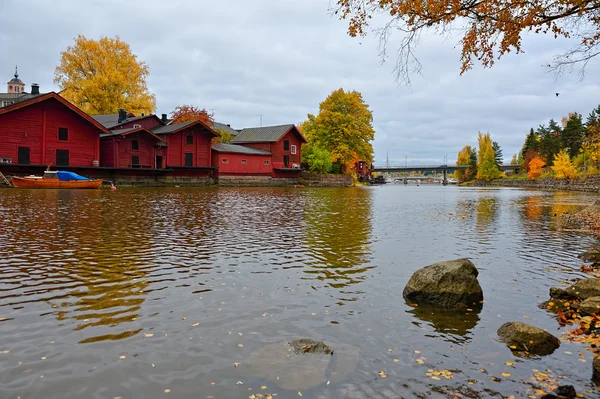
(590,306)
(524,337)
(583,289)
(447,284)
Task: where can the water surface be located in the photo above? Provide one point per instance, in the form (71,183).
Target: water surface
(130,293)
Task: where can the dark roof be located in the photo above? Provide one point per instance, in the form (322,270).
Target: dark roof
(229,129)
(239,149)
(124,132)
(16,80)
(112,120)
(52,95)
(170,128)
(267,134)
(16,97)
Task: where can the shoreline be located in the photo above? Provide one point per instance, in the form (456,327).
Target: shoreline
(585,184)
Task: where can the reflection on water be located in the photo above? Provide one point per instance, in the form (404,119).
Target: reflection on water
(132,292)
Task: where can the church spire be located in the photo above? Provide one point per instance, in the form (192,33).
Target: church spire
(16,72)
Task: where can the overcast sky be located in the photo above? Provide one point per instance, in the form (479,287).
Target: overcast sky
(281,58)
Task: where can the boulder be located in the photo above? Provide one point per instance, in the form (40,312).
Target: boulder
(583,289)
(592,256)
(524,337)
(590,306)
(562,392)
(596,369)
(447,284)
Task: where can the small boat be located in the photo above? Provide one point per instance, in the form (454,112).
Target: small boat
(55,179)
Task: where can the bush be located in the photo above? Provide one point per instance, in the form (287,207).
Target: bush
(563,168)
(535,168)
(319,160)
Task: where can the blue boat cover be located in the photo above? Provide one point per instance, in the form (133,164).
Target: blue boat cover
(66,176)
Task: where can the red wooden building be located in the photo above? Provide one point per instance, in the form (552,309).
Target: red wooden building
(239,160)
(284,142)
(127,120)
(188,145)
(48,130)
(129,148)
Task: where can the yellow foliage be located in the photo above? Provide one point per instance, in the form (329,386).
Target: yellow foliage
(562,167)
(535,168)
(101,76)
(486,166)
(462,159)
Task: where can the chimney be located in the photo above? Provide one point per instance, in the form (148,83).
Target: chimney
(228,125)
(164,118)
(122,115)
(35,88)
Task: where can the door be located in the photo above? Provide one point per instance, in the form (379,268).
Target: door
(159,162)
(286,160)
(23,156)
(135,161)
(62,157)
(189,159)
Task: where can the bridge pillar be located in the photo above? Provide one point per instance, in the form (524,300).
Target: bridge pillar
(405,180)
(445,181)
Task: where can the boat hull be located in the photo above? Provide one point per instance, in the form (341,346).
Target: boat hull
(24,182)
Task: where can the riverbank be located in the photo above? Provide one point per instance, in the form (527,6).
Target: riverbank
(586,184)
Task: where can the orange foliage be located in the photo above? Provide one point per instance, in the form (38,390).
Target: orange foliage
(535,168)
(188,113)
(529,155)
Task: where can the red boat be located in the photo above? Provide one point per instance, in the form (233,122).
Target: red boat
(56,179)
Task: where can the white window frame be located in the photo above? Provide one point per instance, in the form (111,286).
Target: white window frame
(293,149)
(136,126)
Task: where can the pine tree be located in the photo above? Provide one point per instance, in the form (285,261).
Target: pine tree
(572,134)
(531,143)
(497,153)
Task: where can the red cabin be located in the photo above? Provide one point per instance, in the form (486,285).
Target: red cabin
(49,130)
(188,145)
(127,120)
(284,142)
(239,160)
(129,148)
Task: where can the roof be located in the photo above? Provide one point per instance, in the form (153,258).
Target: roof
(112,120)
(52,95)
(238,149)
(267,134)
(16,80)
(174,128)
(16,97)
(227,128)
(125,132)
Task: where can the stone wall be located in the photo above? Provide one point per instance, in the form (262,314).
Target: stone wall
(590,184)
(255,181)
(325,180)
(162,181)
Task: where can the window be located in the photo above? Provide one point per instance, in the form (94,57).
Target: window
(243,162)
(286,160)
(17,89)
(62,157)
(63,134)
(293,149)
(135,145)
(266,162)
(136,125)
(135,161)
(225,160)
(189,159)
(286,145)
(189,140)
(9,87)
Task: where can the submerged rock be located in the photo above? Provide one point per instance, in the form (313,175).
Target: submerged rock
(447,284)
(301,364)
(524,337)
(583,289)
(590,306)
(592,256)
(562,392)
(596,369)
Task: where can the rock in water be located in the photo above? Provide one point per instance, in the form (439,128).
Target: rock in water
(528,338)
(596,370)
(448,284)
(305,345)
(590,306)
(583,289)
(593,256)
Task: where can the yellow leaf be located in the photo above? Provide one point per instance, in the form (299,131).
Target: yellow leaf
(509,363)
(382,374)
(148,335)
(396,360)
(299,393)
(195,324)
(417,352)
(167,390)
(263,387)
(240,345)
(122,357)
(505,374)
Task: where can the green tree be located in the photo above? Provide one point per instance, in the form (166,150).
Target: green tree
(343,127)
(486,167)
(531,143)
(223,137)
(591,141)
(319,160)
(550,142)
(573,133)
(471,171)
(462,159)
(497,153)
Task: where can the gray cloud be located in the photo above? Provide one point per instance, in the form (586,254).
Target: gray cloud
(280,59)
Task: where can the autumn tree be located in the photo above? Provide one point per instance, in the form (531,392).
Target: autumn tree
(343,127)
(462,159)
(562,167)
(514,160)
(486,166)
(224,137)
(489,28)
(188,113)
(550,141)
(531,143)
(591,141)
(535,168)
(101,76)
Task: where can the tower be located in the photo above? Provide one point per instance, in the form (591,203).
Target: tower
(15,85)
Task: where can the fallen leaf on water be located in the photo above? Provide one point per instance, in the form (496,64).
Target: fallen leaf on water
(195,324)
(299,393)
(167,390)
(417,352)
(236,364)
(396,360)
(117,397)
(212,383)
(509,363)
(263,387)
(328,382)
(420,361)
(122,357)
(495,379)
(184,318)
(240,345)
(513,347)
(43,358)
(505,374)
(264,314)
(470,382)
(148,335)
(313,314)
(239,383)
(382,374)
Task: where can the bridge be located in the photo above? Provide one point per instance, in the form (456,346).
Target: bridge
(444,169)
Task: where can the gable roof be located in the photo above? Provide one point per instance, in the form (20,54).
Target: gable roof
(112,120)
(238,149)
(227,128)
(174,128)
(267,134)
(55,96)
(16,97)
(125,132)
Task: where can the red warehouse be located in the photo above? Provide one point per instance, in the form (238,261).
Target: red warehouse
(129,148)
(127,120)
(188,145)
(239,160)
(48,130)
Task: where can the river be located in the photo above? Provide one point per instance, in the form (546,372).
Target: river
(157,293)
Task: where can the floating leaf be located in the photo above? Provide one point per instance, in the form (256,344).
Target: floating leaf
(148,335)
(195,324)
(505,374)
(299,393)
(263,387)
(509,363)
(167,390)
(396,360)
(240,345)
(122,357)
(236,364)
(382,374)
